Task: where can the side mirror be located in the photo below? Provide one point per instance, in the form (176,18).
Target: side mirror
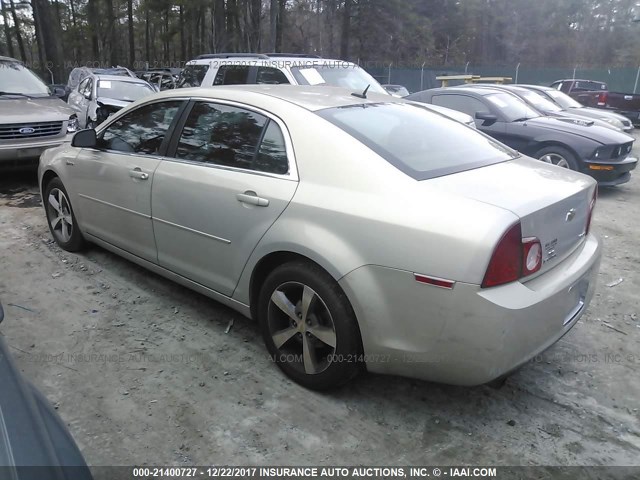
(85,139)
(58,91)
(489,118)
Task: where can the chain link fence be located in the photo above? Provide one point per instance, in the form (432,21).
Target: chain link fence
(422,78)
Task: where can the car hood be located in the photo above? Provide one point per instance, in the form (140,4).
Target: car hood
(113,102)
(603,135)
(31,110)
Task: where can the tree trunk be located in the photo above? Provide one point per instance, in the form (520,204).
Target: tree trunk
(112,34)
(183,45)
(92,18)
(146,36)
(346,30)
(255,12)
(16,27)
(132,45)
(282,4)
(219,26)
(273,24)
(51,40)
(7,29)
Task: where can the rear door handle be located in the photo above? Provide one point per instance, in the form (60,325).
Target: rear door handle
(251,198)
(138,173)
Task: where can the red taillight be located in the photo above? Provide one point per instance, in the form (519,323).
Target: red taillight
(513,258)
(602,99)
(592,205)
(506,262)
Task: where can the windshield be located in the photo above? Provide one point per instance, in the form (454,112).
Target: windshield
(341,74)
(127,91)
(562,99)
(420,143)
(512,107)
(16,78)
(539,102)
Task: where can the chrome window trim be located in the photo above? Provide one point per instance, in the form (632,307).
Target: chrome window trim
(291,175)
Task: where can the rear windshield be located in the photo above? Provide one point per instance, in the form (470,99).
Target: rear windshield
(192,76)
(417,141)
(337,74)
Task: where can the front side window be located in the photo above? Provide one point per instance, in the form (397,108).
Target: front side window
(232,137)
(140,131)
(232,75)
(461,103)
(416,141)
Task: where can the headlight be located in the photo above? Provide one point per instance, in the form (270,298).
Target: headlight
(73,125)
(614,122)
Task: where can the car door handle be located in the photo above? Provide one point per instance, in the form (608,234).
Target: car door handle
(251,198)
(139,174)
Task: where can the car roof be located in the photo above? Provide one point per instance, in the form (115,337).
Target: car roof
(536,87)
(277,59)
(9,59)
(311,98)
(484,91)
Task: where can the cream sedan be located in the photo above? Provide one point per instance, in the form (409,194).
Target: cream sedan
(360,231)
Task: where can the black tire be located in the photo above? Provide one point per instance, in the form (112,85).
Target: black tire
(60,217)
(559,156)
(329,315)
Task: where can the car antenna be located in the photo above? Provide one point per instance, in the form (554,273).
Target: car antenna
(363,94)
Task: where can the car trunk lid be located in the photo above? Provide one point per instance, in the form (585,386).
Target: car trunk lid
(552,203)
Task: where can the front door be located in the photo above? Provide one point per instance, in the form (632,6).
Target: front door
(113,181)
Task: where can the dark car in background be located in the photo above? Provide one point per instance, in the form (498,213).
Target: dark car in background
(593,93)
(597,151)
(546,107)
(34,441)
(572,106)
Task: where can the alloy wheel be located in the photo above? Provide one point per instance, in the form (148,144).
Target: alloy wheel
(60,217)
(555,159)
(301,327)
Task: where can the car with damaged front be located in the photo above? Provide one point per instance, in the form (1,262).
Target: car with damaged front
(600,152)
(34,441)
(99,95)
(408,244)
(32,118)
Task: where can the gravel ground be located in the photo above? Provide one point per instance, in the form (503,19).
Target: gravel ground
(144,371)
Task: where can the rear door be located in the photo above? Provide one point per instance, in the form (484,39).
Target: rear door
(232,176)
(113,181)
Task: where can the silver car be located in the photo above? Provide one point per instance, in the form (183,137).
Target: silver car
(358,232)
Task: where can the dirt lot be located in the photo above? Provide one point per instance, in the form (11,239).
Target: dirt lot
(144,372)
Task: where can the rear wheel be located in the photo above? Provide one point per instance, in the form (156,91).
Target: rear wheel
(62,222)
(558,156)
(309,326)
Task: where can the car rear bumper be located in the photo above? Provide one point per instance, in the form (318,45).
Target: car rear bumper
(28,152)
(610,174)
(467,335)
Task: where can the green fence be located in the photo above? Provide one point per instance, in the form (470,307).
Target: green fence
(416,79)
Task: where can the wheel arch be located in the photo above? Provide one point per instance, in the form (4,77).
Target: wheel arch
(554,143)
(47,176)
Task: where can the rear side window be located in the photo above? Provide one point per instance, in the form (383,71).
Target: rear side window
(192,76)
(271,76)
(418,142)
(232,75)
(221,135)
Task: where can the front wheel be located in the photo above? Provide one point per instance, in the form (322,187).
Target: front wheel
(558,156)
(309,327)
(60,217)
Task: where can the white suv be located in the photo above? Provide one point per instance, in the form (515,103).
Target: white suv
(275,68)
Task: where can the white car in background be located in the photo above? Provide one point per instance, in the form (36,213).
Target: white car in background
(98,96)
